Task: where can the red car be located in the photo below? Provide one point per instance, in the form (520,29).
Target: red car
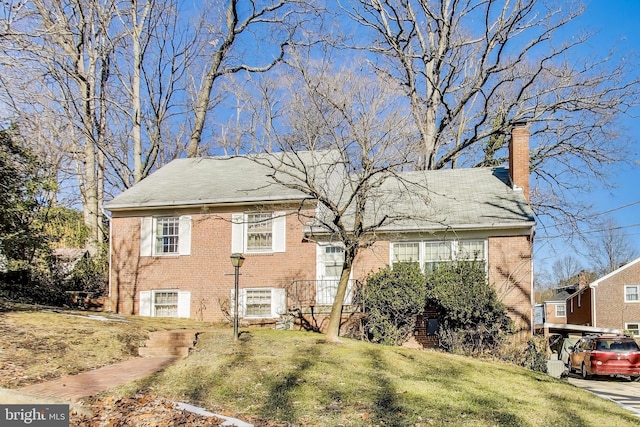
(605,355)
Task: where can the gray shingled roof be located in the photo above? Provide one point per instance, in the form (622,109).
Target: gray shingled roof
(458,198)
(462,198)
(209,181)
(559,297)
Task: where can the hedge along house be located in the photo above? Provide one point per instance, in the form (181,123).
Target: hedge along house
(173,233)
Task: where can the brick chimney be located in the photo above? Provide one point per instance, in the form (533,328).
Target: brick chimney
(519,158)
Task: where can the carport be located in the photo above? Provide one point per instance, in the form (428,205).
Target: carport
(560,337)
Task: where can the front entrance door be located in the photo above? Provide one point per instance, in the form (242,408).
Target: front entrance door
(330,258)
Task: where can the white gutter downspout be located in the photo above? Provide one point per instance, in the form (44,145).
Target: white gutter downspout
(593,305)
(110,250)
(531,278)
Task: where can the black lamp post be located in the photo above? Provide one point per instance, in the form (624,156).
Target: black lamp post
(236,261)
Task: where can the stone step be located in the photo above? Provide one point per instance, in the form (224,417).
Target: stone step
(169,343)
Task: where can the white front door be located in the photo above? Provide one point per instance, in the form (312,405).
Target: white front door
(330,258)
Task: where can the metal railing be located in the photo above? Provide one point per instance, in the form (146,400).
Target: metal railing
(312,293)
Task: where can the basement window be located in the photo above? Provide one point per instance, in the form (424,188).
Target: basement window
(632,328)
(632,293)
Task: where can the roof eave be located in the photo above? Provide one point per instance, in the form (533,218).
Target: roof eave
(596,282)
(208,203)
(527,225)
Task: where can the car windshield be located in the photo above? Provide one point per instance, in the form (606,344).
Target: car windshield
(617,345)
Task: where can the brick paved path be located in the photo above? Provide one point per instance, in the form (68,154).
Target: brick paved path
(88,383)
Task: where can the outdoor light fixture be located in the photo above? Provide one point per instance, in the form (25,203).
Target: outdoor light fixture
(236,261)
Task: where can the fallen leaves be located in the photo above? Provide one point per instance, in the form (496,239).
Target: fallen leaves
(140,411)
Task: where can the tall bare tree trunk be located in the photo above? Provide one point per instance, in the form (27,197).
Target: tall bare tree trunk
(335,319)
(138,22)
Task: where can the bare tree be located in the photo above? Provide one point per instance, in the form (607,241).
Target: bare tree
(155,49)
(470,69)
(566,269)
(354,124)
(242,36)
(608,248)
(66,48)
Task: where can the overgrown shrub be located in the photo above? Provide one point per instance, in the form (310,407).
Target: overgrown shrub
(393,298)
(89,275)
(33,286)
(531,354)
(47,284)
(472,319)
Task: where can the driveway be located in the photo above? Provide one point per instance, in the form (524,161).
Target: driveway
(619,390)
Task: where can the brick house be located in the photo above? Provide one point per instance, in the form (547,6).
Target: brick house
(611,302)
(555,308)
(172,235)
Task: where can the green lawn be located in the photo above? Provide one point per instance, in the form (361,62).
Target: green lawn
(296,378)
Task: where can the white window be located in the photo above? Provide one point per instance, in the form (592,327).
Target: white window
(633,328)
(406,252)
(471,250)
(329,264)
(258,232)
(432,253)
(632,293)
(436,253)
(165,236)
(165,303)
(333,261)
(561,310)
(260,302)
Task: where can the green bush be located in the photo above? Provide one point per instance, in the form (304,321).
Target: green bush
(89,275)
(472,319)
(32,286)
(44,284)
(393,298)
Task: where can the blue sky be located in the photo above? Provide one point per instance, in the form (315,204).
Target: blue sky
(616,25)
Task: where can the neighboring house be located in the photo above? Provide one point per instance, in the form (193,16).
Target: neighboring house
(555,308)
(172,235)
(66,259)
(612,301)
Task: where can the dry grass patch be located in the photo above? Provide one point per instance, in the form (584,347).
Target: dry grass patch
(296,378)
(39,344)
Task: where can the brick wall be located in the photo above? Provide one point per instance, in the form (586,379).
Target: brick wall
(207,272)
(510,271)
(519,158)
(550,314)
(611,310)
